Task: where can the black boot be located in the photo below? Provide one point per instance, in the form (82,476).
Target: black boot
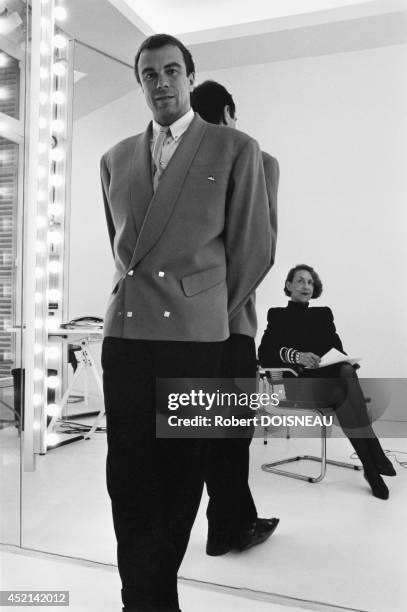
(382,462)
(376,483)
(370,470)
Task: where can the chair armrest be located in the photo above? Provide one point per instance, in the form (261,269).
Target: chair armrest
(275,373)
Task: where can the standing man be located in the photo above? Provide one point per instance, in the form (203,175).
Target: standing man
(232,514)
(184,207)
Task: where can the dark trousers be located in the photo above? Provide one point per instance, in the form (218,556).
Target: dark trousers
(155,485)
(338,386)
(231,508)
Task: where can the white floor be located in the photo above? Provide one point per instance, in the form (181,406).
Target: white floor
(96,588)
(336,544)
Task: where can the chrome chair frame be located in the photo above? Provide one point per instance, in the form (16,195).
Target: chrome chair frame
(268,377)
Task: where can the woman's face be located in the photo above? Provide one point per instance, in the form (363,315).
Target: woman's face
(301,287)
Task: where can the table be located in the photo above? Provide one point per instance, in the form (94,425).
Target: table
(84,337)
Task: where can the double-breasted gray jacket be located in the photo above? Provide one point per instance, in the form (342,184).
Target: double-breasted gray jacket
(188,256)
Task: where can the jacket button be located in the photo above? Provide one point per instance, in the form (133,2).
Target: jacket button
(161,274)
(167,314)
(129,314)
(119,314)
(130,273)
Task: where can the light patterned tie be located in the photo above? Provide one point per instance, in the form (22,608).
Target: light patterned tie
(157,150)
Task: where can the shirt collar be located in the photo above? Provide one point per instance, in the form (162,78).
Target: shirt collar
(178,127)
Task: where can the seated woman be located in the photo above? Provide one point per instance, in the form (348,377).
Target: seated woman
(297,336)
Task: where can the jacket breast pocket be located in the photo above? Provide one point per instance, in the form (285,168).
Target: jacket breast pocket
(203,280)
(212,177)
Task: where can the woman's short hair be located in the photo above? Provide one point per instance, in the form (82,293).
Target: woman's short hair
(160,40)
(317,281)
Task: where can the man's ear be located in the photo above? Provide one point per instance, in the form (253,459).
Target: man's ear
(226,115)
(191,79)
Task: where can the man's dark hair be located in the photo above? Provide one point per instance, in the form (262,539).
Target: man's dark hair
(160,40)
(209,100)
(317,281)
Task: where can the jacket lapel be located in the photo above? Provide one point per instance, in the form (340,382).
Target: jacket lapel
(164,199)
(141,185)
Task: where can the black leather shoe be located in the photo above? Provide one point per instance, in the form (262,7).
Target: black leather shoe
(377,484)
(265,524)
(259,533)
(216,548)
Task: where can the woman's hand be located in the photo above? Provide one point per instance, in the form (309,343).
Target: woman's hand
(309,360)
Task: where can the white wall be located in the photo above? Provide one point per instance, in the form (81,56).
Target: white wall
(338,126)
(91,263)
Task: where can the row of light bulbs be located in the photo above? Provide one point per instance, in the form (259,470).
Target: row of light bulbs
(50,198)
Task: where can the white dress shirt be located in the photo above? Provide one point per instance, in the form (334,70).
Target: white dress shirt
(175,133)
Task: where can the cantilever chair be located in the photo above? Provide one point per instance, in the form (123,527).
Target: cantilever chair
(271,380)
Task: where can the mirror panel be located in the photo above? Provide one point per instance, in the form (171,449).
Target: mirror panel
(336,124)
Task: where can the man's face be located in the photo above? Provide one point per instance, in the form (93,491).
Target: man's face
(165,83)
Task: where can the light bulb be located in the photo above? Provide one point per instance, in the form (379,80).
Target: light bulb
(52,324)
(42,148)
(57,154)
(60,13)
(52,382)
(54,266)
(39,273)
(42,123)
(58,126)
(40,246)
(58,97)
(38,348)
(57,180)
(42,222)
(52,352)
(54,295)
(43,98)
(37,399)
(54,237)
(59,68)
(52,410)
(41,196)
(44,73)
(52,439)
(38,298)
(4,60)
(41,172)
(38,374)
(38,324)
(54,210)
(44,48)
(60,41)
(4,93)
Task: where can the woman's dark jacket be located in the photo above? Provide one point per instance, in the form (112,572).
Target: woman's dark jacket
(309,330)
